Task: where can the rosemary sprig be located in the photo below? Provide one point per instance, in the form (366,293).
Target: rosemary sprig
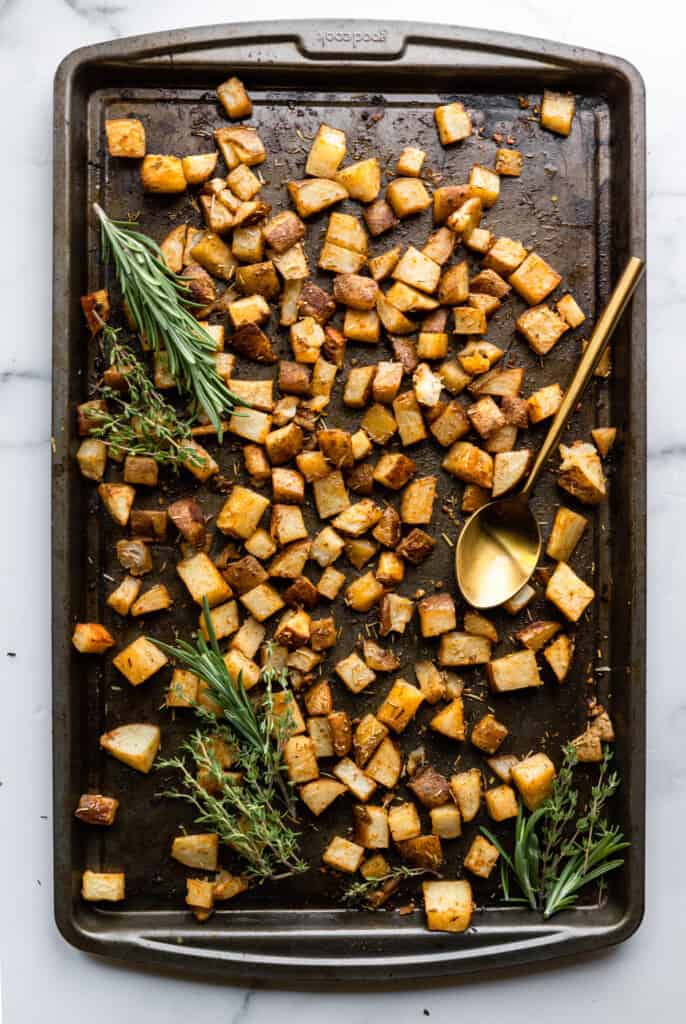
(240,808)
(159,302)
(257,727)
(551,871)
(363,891)
(139,421)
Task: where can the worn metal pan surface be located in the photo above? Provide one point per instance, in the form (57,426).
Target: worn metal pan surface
(581,201)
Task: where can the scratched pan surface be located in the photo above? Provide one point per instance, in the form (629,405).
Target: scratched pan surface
(580,203)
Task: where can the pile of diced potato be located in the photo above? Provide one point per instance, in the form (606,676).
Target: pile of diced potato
(276,586)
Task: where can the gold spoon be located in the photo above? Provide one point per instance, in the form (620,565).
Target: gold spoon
(498,548)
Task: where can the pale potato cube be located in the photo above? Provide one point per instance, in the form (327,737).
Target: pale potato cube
(371,826)
(92,458)
(568,593)
(396,611)
(125,594)
(484,184)
(581,472)
(340,260)
(246,145)
(364,592)
(287,524)
(427,386)
(361,180)
(410,162)
(198,169)
(354,673)
(241,513)
(358,518)
(385,764)
(400,706)
(342,855)
(162,174)
(311,195)
(544,403)
(347,232)
(569,310)
(466,790)
(508,162)
(249,637)
(534,279)
(139,661)
(91,638)
(300,759)
(466,218)
(155,599)
(514,672)
(453,123)
(330,495)
(417,270)
(383,265)
(118,500)
(136,745)
(330,583)
(203,579)
(557,112)
(362,325)
(467,320)
(604,438)
(542,328)
(486,417)
(319,794)
(463,649)
(260,545)
(446,821)
(125,137)
(326,153)
(469,463)
(200,895)
(480,240)
(105,886)
(319,732)
(432,345)
(197,851)
(407,196)
(326,547)
(437,615)
(226,886)
(183,689)
(416,506)
(509,470)
(403,822)
(501,803)
(234,98)
(450,720)
(431,681)
(488,734)
(241,668)
(534,778)
(409,419)
(262,601)
(481,857)
(448,906)
(368,735)
(520,600)
(559,656)
(357,781)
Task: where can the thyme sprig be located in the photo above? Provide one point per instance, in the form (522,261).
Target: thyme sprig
(362,892)
(138,421)
(552,868)
(160,303)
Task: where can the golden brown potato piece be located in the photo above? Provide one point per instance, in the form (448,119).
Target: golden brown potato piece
(125,137)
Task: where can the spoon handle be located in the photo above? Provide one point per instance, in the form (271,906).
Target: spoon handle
(602,332)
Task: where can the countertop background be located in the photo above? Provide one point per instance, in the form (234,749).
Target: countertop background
(42,978)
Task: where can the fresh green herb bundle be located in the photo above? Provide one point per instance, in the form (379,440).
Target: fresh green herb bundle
(550,865)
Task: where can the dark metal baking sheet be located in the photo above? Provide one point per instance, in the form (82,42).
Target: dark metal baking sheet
(581,202)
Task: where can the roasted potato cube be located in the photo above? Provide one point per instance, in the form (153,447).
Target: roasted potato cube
(544,403)
(514,672)
(432,345)
(406,299)
(448,199)
(427,386)
(486,417)
(358,386)
(403,822)
(589,748)
(473,498)
(488,734)
(364,592)
(542,328)
(416,548)
(244,574)
(383,265)
(284,444)
(520,600)
(386,382)
(437,615)
(469,463)
(311,195)
(218,217)
(357,781)
(241,513)
(466,218)
(409,419)
(346,232)
(537,634)
(395,614)
(124,595)
(501,803)
(117,499)
(330,583)
(450,425)
(319,794)
(466,790)
(358,518)
(557,112)
(410,162)
(215,256)
(400,705)
(439,246)
(326,153)
(139,661)
(288,486)
(234,99)
(342,855)
(287,524)
(360,551)
(509,469)
(568,593)
(417,270)
(361,180)
(292,264)
(385,766)
(508,162)
(534,778)
(326,547)
(581,472)
(162,174)
(312,465)
(323,636)
(379,216)
(371,826)
(355,291)
(445,821)
(368,735)
(300,759)
(136,745)
(203,579)
(198,168)
(246,144)
(431,681)
(320,734)
(488,304)
(354,673)
(183,689)
(463,649)
(125,137)
(454,285)
(103,886)
(96,309)
(455,378)
(422,852)
(559,656)
(450,720)
(453,123)
(429,786)
(140,469)
(507,385)
(239,666)
(362,325)
(534,279)
(416,506)
(92,638)
(200,851)
(467,320)
(407,196)
(390,316)
(480,240)
(379,423)
(283,231)
(95,809)
(253,309)
(484,184)
(604,438)
(570,311)
(289,302)
(481,857)
(249,637)
(135,556)
(330,495)
(156,599)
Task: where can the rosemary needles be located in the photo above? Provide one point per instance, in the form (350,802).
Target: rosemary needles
(160,303)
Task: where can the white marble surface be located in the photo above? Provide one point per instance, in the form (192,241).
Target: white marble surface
(42,977)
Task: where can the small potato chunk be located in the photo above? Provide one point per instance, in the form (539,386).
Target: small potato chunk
(559,656)
(358,518)
(234,98)
(440,246)
(124,595)
(354,673)
(362,325)
(410,162)
(484,184)
(557,112)
(453,123)
(125,137)
(589,748)
(481,857)
(103,886)
(508,162)
(403,822)
(319,794)
(454,285)
(446,822)
(409,419)
(364,592)
(501,803)
(544,403)
(371,826)
(199,168)
(379,216)
(467,320)
(488,734)
(429,786)
(450,425)
(283,231)
(581,473)
(450,720)
(486,417)
(385,765)
(246,144)
(357,781)
(534,279)
(197,851)
(156,599)
(203,579)
(416,548)
(534,778)
(480,240)
(162,174)
(427,386)
(568,593)
(417,270)
(400,706)
(92,458)
(117,499)
(417,502)
(342,855)
(463,649)
(300,759)
(437,615)
(355,291)
(139,661)
(570,311)
(361,180)
(383,265)
(566,532)
(448,906)
(466,790)
(330,583)
(432,345)
(466,218)
(387,381)
(604,438)
(407,196)
(509,469)
(95,809)
(541,327)
(183,689)
(368,735)
(136,745)
(241,513)
(469,463)
(312,195)
(514,672)
(326,153)
(91,638)
(287,524)
(431,681)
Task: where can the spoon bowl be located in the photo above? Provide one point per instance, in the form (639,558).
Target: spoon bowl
(497,551)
